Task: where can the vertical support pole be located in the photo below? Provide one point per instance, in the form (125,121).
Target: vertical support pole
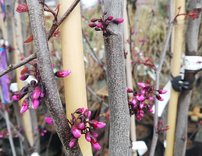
(72,55)
(129,81)
(177,48)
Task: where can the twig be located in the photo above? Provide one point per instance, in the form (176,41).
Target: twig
(51,32)
(49,142)
(66,14)
(13,67)
(158,71)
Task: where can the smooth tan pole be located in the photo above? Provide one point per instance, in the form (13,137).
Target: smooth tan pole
(73,59)
(18,46)
(129,72)
(177,49)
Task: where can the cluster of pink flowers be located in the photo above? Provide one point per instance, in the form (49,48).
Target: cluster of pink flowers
(35,90)
(81,124)
(143,99)
(101,24)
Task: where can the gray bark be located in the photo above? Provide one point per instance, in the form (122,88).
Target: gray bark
(119,144)
(54,104)
(185,96)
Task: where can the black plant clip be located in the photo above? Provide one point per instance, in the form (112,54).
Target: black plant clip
(179,84)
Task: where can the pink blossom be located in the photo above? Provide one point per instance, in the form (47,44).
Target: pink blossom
(97,125)
(142,84)
(36,93)
(76,132)
(22,8)
(162,91)
(110,18)
(24,77)
(96,146)
(16,97)
(35,104)
(81,126)
(159,98)
(92,25)
(87,113)
(72,142)
(63,73)
(140,97)
(88,137)
(48,120)
(118,20)
(24,107)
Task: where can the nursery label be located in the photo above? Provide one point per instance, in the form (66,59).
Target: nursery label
(193,62)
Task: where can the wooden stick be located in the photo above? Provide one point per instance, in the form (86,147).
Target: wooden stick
(72,55)
(177,49)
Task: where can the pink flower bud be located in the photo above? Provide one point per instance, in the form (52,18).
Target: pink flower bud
(24,77)
(16,97)
(141,105)
(97,125)
(76,132)
(151,98)
(110,18)
(99,25)
(159,98)
(140,97)
(80,110)
(48,120)
(81,126)
(93,19)
(36,93)
(142,84)
(96,146)
(94,134)
(162,91)
(88,137)
(72,142)
(134,102)
(92,25)
(63,73)
(87,113)
(22,8)
(24,107)
(118,20)
(129,90)
(35,104)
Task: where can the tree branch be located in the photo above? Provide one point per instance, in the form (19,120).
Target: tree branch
(158,71)
(119,144)
(53,101)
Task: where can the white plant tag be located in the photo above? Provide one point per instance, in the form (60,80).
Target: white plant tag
(140,147)
(193,62)
(166,97)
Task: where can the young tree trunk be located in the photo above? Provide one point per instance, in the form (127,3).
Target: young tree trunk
(185,96)
(119,112)
(54,104)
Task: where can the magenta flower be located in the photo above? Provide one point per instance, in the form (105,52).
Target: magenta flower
(110,18)
(72,142)
(63,73)
(24,107)
(96,146)
(48,120)
(36,93)
(140,97)
(24,77)
(35,104)
(118,20)
(87,113)
(159,98)
(142,84)
(88,137)
(162,91)
(16,97)
(97,125)
(76,132)
(81,126)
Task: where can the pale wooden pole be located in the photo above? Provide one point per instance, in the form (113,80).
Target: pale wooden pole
(129,81)
(72,55)
(18,46)
(177,49)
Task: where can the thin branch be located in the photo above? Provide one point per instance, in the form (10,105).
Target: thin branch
(158,71)
(51,32)
(66,14)
(15,66)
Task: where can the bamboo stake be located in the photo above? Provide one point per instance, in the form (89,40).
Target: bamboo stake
(177,48)
(72,54)
(17,43)
(129,81)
